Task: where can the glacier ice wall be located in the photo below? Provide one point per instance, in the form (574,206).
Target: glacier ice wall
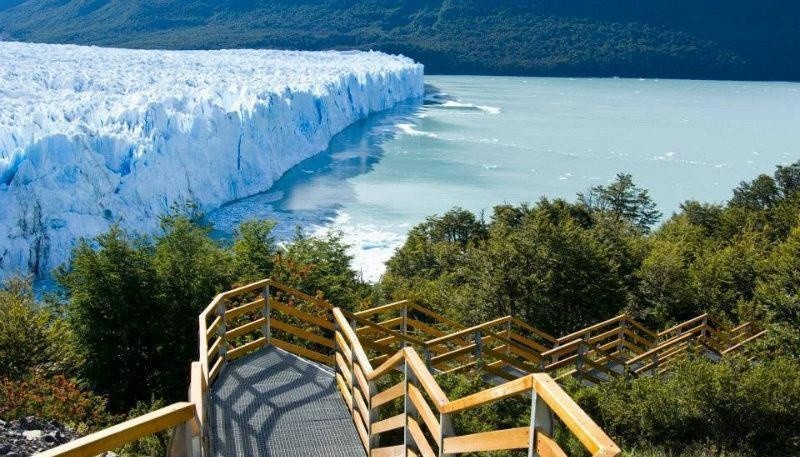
(90,136)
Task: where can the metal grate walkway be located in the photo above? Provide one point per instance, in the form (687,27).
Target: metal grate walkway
(272,403)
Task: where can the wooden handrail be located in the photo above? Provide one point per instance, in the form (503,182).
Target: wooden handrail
(661,348)
(748,340)
(467,331)
(381,309)
(126,432)
(539,385)
(580,333)
(682,325)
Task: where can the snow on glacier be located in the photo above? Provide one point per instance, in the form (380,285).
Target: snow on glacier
(90,136)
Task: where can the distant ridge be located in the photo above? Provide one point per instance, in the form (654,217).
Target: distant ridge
(703,39)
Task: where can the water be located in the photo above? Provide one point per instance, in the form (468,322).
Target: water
(480,141)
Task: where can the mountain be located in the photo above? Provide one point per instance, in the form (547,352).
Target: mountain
(717,39)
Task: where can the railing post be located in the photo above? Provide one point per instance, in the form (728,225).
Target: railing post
(373,416)
(478,348)
(404,314)
(703,329)
(266,329)
(622,325)
(426,353)
(351,365)
(221,329)
(579,361)
(654,370)
(446,429)
(541,419)
(408,409)
(508,336)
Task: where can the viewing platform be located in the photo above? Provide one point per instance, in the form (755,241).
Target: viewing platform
(273,403)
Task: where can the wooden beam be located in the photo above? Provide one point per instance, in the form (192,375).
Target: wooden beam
(126,432)
(497,440)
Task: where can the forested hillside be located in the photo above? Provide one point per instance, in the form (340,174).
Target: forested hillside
(735,39)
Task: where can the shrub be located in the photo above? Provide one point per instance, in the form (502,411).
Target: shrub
(725,407)
(32,338)
(53,398)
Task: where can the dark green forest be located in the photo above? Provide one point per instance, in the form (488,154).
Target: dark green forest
(557,264)
(706,39)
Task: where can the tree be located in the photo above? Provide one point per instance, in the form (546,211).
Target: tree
(777,296)
(555,275)
(191,269)
(314,264)
(254,250)
(760,194)
(117,316)
(33,339)
(624,200)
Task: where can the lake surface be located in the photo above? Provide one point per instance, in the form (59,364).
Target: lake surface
(480,141)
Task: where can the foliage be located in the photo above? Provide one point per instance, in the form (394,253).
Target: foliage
(623,201)
(561,265)
(738,39)
(53,397)
(33,339)
(254,250)
(726,406)
(155,445)
(313,264)
(115,311)
(190,269)
(137,299)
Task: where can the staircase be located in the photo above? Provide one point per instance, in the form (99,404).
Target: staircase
(281,372)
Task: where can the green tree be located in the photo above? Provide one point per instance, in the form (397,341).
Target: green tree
(118,319)
(254,250)
(321,264)
(777,296)
(624,200)
(32,338)
(556,275)
(191,269)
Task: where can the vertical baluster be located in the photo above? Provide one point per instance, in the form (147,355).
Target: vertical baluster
(508,337)
(478,349)
(351,366)
(580,362)
(446,429)
(409,409)
(404,314)
(541,420)
(621,335)
(373,416)
(426,353)
(221,329)
(266,329)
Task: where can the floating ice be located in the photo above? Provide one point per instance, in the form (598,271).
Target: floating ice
(90,136)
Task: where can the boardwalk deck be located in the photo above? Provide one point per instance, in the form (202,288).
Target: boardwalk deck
(272,403)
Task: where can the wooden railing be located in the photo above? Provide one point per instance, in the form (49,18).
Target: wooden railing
(391,337)
(424,425)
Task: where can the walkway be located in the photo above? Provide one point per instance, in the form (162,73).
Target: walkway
(272,403)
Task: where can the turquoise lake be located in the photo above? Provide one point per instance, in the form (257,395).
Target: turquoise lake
(475,142)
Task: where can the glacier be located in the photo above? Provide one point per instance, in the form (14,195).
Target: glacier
(92,136)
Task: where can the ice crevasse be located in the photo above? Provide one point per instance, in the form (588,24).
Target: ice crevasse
(91,136)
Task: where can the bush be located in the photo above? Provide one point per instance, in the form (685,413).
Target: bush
(53,398)
(731,406)
(32,338)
